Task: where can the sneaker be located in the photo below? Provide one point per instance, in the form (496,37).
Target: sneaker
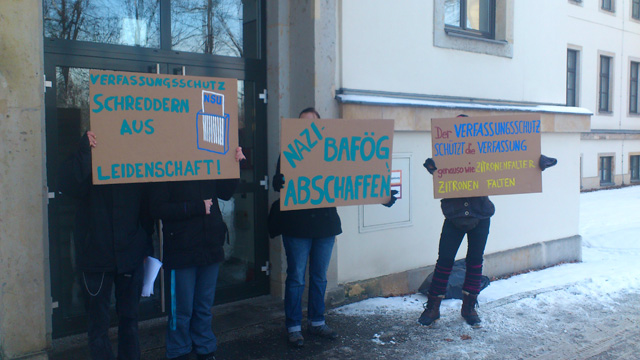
(323,331)
(209,356)
(296,339)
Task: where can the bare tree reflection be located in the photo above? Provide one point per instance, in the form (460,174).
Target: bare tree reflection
(207,26)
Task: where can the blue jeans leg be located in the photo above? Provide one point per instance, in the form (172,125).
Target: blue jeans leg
(189,326)
(204,341)
(318,265)
(297,250)
(318,252)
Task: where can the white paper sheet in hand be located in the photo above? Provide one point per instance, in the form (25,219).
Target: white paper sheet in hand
(151,268)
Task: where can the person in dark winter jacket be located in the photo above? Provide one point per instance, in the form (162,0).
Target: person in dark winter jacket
(112,238)
(307,234)
(194,234)
(463,216)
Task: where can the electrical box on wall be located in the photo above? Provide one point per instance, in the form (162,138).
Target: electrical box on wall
(377,217)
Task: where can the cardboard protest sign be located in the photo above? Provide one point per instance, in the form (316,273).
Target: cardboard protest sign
(488,155)
(154,127)
(335,162)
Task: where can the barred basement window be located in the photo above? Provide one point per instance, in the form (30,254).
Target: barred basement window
(605,170)
(634,167)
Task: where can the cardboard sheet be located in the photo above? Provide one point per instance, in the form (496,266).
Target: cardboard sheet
(155,127)
(488,155)
(335,162)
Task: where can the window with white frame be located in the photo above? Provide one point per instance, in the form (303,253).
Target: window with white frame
(635,9)
(480,26)
(604,98)
(471,17)
(607,5)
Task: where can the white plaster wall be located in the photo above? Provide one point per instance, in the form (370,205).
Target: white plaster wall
(388,46)
(590,150)
(594,32)
(520,220)
(371,254)
(526,219)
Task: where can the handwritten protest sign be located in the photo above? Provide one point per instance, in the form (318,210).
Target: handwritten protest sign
(335,162)
(488,155)
(153,127)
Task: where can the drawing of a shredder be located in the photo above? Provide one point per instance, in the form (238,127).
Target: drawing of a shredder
(212,124)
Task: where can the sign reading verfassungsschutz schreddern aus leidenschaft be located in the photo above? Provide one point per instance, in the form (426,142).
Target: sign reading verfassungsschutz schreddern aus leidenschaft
(154,127)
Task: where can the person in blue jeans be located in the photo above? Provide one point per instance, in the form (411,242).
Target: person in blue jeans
(194,234)
(307,234)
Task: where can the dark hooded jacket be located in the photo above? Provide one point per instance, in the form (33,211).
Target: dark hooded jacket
(191,237)
(112,226)
(479,207)
(310,223)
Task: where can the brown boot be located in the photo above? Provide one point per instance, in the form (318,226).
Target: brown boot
(468,311)
(431,311)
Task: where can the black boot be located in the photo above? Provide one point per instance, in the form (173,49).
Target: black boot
(468,311)
(431,311)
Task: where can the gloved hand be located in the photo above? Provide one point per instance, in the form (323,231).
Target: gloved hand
(277,182)
(430,165)
(547,162)
(392,200)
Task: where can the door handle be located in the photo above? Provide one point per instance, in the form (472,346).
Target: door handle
(265,182)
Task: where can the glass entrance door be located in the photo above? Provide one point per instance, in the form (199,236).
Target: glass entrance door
(67,118)
(244,272)
(159,36)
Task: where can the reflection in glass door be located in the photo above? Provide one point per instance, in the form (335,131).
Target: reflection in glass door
(242,274)
(67,118)
(222,38)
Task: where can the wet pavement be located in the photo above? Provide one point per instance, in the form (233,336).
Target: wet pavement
(515,327)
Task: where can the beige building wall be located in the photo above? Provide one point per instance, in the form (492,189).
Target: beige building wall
(595,32)
(314,49)
(520,220)
(391,48)
(25,313)
(372,55)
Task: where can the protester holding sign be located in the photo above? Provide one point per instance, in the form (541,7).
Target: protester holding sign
(112,238)
(468,216)
(194,234)
(307,234)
